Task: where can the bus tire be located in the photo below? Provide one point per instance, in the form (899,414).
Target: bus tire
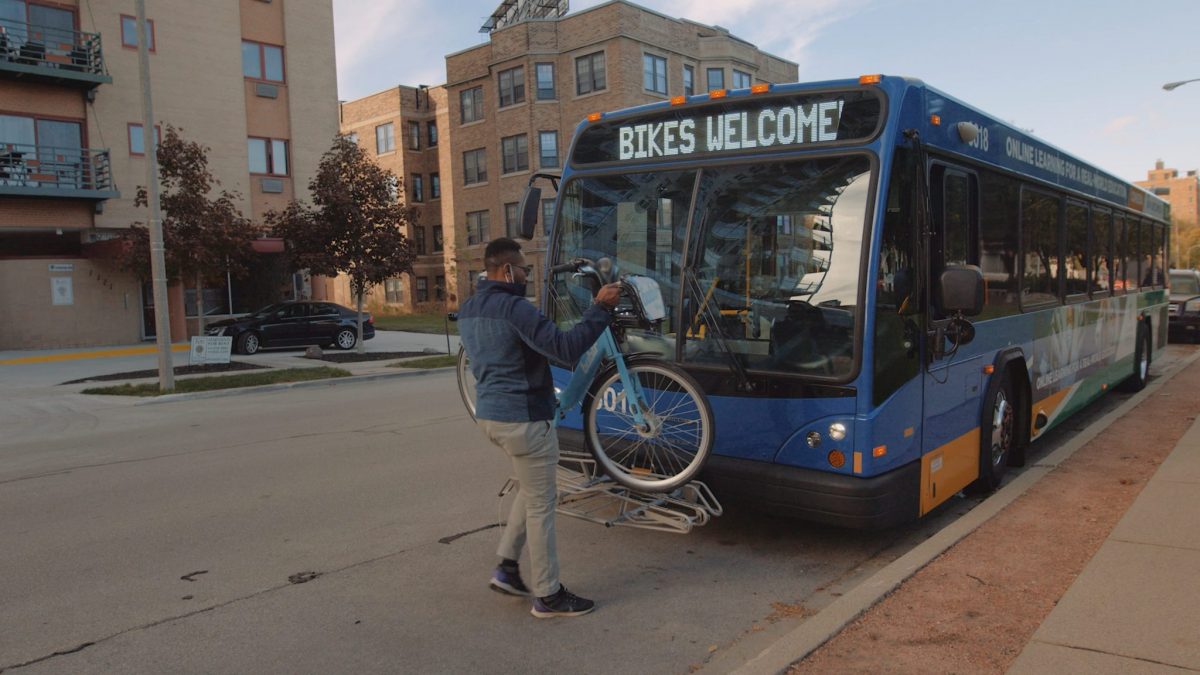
(1141,361)
(997,433)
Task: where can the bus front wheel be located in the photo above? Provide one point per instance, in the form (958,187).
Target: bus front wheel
(998,434)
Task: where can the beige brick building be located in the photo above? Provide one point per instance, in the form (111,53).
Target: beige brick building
(1183,192)
(510,108)
(253,80)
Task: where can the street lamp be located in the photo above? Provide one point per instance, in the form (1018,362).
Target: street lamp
(1175,85)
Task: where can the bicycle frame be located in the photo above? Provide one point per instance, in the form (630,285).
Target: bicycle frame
(585,373)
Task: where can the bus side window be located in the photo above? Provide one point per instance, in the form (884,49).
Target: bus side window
(956,233)
(998,243)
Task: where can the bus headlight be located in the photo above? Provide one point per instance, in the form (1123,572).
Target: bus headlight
(837,431)
(813,439)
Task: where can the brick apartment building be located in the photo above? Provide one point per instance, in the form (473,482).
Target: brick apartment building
(1183,192)
(510,108)
(72,157)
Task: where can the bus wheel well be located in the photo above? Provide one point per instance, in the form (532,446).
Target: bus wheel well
(1019,376)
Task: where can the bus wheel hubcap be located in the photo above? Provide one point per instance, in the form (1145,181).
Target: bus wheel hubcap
(1002,425)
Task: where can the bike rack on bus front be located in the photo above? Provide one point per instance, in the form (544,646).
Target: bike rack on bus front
(584,492)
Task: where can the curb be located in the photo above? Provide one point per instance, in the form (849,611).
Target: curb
(816,631)
(266,388)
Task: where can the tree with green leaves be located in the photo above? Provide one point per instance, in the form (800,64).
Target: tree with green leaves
(354,226)
(204,234)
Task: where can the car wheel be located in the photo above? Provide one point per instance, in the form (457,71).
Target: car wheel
(249,343)
(346,339)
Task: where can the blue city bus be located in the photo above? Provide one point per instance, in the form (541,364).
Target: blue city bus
(885,293)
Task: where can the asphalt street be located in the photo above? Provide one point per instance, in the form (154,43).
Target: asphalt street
(351,528)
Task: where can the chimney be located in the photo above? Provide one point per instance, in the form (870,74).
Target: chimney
(1158,165)
(1192,173)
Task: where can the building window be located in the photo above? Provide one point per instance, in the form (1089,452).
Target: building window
(435,186)
(437,238)
(394,291)
(414,135)
(268,156)
(129,32)
(545,81)
(516,153)
(475,166)
(385,138)
(477,227)
(418,188)
(262,61)
(547,215)
(741,80)
(512,86)
(548,149)
(422,289)
(589,73)
(716,78)
(689,80)
(431,128)
(472,104)
(439,287)
(137,145)
(654,74)
(419,238)
(512,224)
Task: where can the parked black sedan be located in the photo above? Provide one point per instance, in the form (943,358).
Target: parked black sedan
(292,324)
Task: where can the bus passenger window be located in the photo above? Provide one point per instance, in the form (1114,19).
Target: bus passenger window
(1039,248)
(998,243)
(1077,256)
(1101,252)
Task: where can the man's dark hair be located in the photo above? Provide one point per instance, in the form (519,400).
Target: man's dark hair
(499,252)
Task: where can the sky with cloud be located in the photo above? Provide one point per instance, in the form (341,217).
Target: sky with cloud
(1084,75)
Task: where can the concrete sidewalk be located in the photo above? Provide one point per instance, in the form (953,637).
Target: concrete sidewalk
(1135,608)
(50,368)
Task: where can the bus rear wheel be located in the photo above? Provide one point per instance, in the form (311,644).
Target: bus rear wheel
(997,434)
(1141,361)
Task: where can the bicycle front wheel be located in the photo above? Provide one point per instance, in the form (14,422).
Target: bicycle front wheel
(665,452)
(466,382)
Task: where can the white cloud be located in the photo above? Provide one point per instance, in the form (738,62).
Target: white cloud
(1116,125)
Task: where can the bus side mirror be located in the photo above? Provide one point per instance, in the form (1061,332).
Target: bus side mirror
(530,207)
(961,290)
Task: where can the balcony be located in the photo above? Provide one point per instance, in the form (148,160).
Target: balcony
(53,55)
(47,171)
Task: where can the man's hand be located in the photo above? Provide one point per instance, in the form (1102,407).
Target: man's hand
(609,295)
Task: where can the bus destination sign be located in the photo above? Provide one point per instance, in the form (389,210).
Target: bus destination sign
(743,125)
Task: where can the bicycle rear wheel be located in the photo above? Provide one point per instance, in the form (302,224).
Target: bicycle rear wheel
(466,382)
(673,445)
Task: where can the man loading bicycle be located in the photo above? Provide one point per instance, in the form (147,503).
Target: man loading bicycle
(509,342)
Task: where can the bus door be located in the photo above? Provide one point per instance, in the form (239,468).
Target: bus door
(952,376)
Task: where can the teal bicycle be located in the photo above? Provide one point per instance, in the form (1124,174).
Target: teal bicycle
(645,421)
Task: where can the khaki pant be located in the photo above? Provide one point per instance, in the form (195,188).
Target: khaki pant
(533,448)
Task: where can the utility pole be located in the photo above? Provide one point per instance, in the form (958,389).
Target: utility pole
(158,264)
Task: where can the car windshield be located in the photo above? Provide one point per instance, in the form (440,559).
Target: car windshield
(1184,284)
(775,258)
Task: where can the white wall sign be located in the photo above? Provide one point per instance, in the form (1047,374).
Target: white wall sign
(207,349)
(61,291)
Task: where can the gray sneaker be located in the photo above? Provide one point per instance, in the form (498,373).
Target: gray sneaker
(562,603)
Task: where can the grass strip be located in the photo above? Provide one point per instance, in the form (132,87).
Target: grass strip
(442,361)
(415,323)
(224,382)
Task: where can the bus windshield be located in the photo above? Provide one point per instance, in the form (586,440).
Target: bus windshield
(775,255)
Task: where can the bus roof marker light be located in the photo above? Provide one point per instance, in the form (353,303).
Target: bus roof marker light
(967,131)
(717,93)
(595,117)
(935,120)
(678,100)
(870,79)
(761,88)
